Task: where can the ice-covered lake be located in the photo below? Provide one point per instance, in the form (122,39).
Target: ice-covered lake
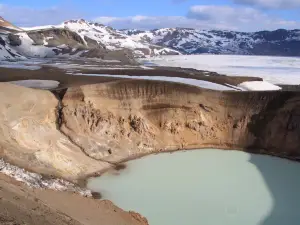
(207,187)
(277,70)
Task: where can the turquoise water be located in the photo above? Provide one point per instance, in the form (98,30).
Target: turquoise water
(207,187)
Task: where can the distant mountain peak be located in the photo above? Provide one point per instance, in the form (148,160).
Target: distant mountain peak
(6,27)
(83,22)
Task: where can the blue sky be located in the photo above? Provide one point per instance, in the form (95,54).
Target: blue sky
(244,15)
(95,8)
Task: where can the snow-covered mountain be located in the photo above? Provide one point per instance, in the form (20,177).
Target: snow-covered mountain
(78,38)
(192,41)
(6,51)
(113,39)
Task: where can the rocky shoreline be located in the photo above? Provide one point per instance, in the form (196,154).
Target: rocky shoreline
(20,204)
(34,180)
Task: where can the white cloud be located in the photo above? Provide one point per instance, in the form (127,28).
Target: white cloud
(271,4)
(200,17)
(24,17)
(151,22)
(206,17)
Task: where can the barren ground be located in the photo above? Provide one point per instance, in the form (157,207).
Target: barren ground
(20,205)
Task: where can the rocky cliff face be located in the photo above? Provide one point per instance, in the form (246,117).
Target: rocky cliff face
(30,136)
(124,119)
(95,126)
(191,41)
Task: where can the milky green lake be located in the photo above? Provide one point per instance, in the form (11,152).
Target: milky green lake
(207,187)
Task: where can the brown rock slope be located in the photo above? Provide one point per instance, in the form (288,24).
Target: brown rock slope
(6,26)
(119,120)
(30,138)
(20,205)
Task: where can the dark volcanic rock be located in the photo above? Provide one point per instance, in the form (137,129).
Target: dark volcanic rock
(124,56)
(93,44)
(55,37)
(14,40)
(2,42)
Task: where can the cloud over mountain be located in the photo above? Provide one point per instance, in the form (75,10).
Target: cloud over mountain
(271,4)
(206,17)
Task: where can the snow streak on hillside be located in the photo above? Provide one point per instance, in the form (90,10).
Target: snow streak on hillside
(7,52)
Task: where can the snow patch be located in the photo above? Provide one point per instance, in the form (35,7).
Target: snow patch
(146,67)
(259,86)
(62,46)
(28,48)
(39,27)
(276,70)
(39,84)
(35,180)
(189,81)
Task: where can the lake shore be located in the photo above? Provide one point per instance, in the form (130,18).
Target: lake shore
(21,204)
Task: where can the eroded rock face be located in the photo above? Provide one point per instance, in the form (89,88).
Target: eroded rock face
(30,137)
(122,119)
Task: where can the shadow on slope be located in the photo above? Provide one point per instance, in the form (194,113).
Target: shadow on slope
(283,187)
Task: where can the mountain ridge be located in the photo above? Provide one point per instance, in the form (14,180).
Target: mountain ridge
(195,41)
(7,27)
(81,38)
